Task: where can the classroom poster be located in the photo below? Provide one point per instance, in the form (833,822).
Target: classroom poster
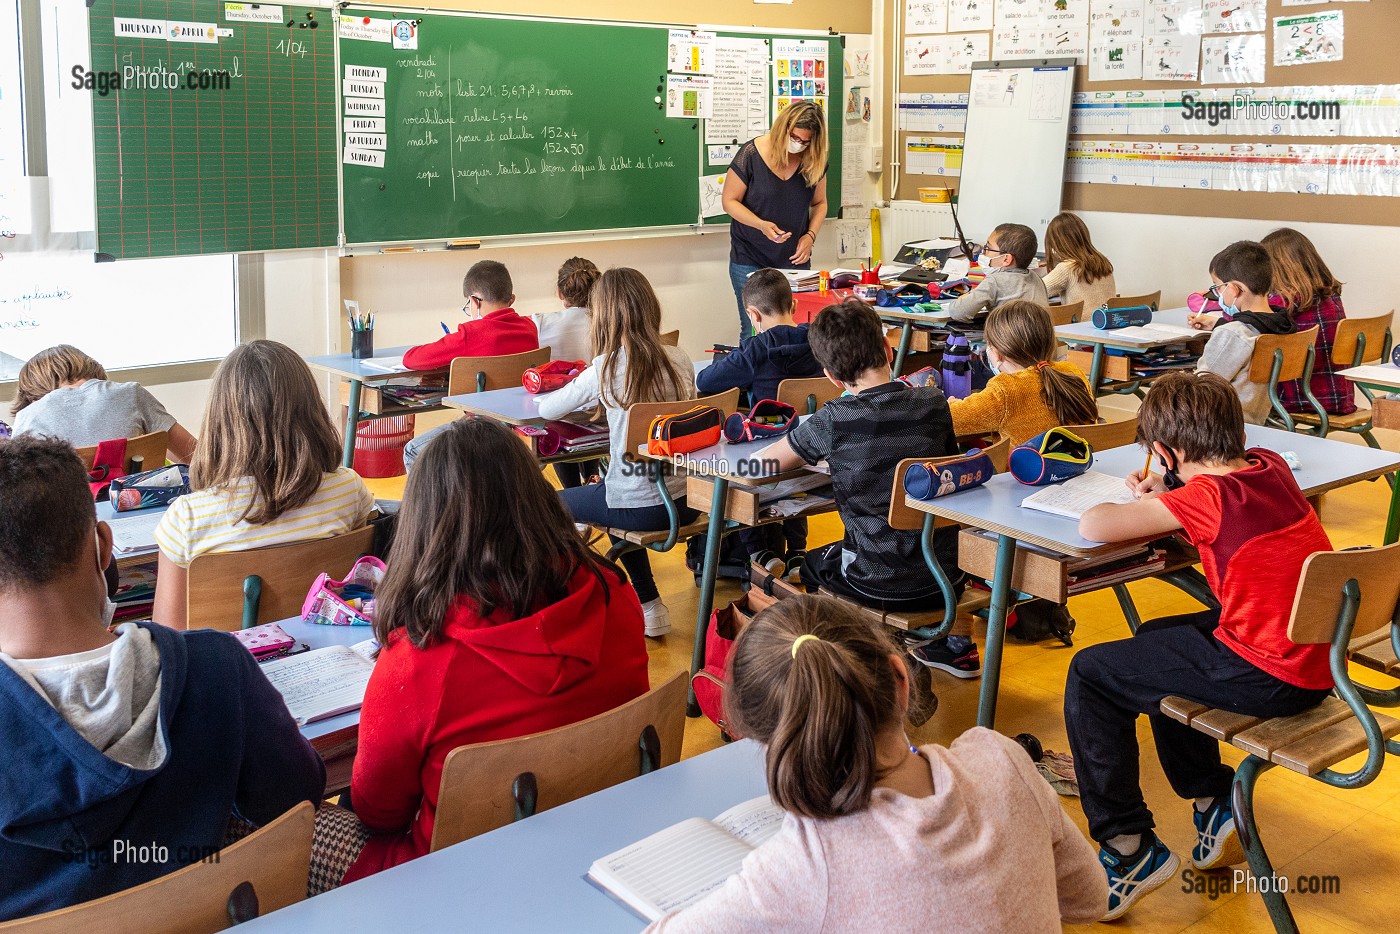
(690,52)
(1116,56)
(1065,13)
(1172,58)
(1233,16)
(1016,41)
(799,72)
(855,153)
(933,155)
(1175,17)
(738,91)
(1125,16)
(945,55)
(688,96)
(712,195)
(1306,40)
(969,15)
(853,240)
(1023,12)
(1065,41)
(922,17)
(1232,59)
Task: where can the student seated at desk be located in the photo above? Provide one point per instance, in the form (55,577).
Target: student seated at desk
(862,436)
(1241,274)
(1244,511)
(1007,257)
(632,366)
(568,335)
(63,393)
(778,351)
(496,620)
(881,835)
(1078,271)
(1313,296)
(267,472)
(138,737)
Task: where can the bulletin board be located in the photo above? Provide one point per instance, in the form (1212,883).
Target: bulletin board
(1369,60)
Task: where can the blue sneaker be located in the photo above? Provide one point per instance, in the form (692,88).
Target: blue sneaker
(1129,882)
(1217,844)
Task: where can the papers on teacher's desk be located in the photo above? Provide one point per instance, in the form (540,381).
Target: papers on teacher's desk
(1077,495)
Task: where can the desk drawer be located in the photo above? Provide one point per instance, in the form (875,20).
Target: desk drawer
(1114,367)
(1046,575)
(741,506)
(372,401)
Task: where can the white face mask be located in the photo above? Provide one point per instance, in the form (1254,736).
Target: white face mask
(796,145)
(109,610)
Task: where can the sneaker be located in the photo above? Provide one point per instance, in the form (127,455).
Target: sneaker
(1132,877)
(656,618)
(1217,843)
(769,562)
(936,654)
(794,562)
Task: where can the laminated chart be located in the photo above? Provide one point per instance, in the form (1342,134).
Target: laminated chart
(933,112)
(1337,110)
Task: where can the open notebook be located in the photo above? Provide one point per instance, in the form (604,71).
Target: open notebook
(676,867)
(323,682)
(1161,332)
(1077,495)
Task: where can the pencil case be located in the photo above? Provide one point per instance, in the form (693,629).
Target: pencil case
(933,479)
(1050,457)
(348,602)
(689,431)
(928,376)
(550,376)
(1199,302)
(552,437)
(767,419)
(150,488)
(266,641)
(1111,319)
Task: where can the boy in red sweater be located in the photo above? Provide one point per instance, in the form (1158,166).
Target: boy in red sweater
(1244,511)
(493,329)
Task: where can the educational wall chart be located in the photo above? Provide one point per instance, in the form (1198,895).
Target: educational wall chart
(1232,59)
(799,72)
(690,61)
(969,15)
(1306,40)
(1360,169)
(1174,17)
(933,155)
(926,16)
(1172,58)
(739,94)
(945,55)
(933,112)
(1233,16)
(1337,110)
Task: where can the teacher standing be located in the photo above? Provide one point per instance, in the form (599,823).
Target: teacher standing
(775,195)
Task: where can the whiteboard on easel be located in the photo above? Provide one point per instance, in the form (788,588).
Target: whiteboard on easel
(1014,145)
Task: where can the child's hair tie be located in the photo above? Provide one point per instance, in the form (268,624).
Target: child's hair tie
(801,639)
(1043,364)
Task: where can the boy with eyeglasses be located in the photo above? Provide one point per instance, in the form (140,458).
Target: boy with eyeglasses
(1007,256)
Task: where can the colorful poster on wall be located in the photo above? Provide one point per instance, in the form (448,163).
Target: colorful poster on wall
(1232,59)
(922,17)
(1174,17)
(799,72)
(945,55)
(1172,58)
(1233,16)
(1306,40)
(969,15)
(690,52)
(1115,55)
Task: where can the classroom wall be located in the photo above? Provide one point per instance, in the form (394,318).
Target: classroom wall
(838,15)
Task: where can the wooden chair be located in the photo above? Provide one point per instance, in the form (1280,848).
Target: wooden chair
(478,374)
(1105,435)
(1281,358)
(1067,313)
(261,873)
(671,338)
(489,785)
(1150,299)
(1344,597)
(639,419)
(1359,341)
(238,589)
(150,447)
(807,395)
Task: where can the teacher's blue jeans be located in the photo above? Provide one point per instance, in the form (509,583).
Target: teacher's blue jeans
(738,275)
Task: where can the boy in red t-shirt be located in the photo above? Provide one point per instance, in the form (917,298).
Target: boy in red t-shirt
(1245,513)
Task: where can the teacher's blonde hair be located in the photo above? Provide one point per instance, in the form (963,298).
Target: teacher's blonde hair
(801,115)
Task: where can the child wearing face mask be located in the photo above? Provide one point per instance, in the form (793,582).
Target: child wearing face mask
(1031,393)
(1240,275)
(1242,509)
(1007,257)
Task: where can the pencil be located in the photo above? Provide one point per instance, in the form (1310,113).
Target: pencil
(1147,466)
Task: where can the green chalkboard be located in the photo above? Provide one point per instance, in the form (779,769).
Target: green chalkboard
(243,160)
(510,126)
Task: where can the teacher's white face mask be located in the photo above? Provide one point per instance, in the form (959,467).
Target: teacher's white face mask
(796,145)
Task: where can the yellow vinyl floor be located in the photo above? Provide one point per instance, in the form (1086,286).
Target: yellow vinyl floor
(1309,828)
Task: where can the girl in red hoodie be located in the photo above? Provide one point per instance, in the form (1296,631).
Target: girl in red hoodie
(495,620)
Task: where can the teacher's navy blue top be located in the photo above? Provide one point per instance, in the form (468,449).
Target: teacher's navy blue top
(785,202)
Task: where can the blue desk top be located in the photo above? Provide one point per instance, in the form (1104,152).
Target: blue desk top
(514,406)
(1085,333)
(342,364)
(530,876)
(996,505)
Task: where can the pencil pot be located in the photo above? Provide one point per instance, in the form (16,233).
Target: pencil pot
(1111,319)
(362,344)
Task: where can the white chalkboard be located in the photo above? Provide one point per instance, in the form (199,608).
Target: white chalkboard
(1014,146)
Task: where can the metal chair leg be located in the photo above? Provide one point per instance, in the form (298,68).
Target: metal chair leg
(1242,801)
(1125,603)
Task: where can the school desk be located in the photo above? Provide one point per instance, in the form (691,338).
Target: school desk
(348,368)
(335,738)
(513,405)
(1084,332)
(125,559)
(996,507)
(531,876)
(809,303)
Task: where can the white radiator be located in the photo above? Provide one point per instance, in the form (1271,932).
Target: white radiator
(904,221)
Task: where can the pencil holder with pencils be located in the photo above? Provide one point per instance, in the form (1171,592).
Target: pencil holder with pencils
(362,343)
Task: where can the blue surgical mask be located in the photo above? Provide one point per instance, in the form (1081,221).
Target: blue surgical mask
(1228,310)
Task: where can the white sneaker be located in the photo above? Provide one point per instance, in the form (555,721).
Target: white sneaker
(656,617)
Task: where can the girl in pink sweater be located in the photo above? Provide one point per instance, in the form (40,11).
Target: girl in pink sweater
(881,835)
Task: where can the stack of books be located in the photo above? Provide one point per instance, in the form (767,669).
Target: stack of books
(1124,564)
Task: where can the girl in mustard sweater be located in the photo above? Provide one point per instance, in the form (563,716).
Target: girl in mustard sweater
(1030,393)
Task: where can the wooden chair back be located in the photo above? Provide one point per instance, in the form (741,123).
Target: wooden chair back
(489,785)
(905,518)
(479,374)
(1362,340)
(150,447)
(1150,299)
(671,338)
(1297,355)
(216,581)
(807,395)
(1067,313)
(1105,435)
(1318,600)
(274,860)
(640,416)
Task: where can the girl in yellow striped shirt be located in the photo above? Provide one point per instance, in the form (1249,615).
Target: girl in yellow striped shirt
(267,472)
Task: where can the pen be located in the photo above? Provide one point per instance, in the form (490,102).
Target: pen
(444,327)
